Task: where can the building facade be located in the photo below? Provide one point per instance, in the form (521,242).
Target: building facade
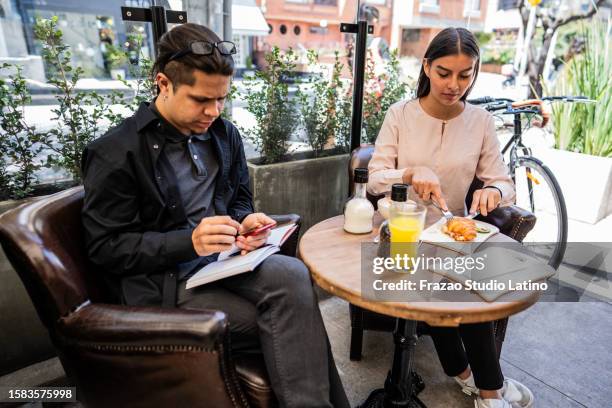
(315,24)
(416,22)
(89,28)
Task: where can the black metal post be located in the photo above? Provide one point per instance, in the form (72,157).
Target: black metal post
(398,387)
(158,23)
(359,79)
(402,384)
(362,29)
(158,16)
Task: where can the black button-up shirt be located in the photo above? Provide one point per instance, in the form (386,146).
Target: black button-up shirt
(195,167)
(135,223)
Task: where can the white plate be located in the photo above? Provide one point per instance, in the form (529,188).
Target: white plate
(434,235)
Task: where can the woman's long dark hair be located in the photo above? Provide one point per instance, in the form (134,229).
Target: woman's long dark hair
(450,41)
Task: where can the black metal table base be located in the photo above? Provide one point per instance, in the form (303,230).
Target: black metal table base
(377,400)
(402,384)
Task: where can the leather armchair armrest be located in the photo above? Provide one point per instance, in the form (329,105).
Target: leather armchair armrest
(289,248)
(148,356)
(512,221)
(117,325)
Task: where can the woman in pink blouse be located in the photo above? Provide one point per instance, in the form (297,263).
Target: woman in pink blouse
(438,143)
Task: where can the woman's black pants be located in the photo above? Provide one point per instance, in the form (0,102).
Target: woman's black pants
(472,344)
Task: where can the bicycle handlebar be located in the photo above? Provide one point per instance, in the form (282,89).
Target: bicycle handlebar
(512,107)
(487,99)
(566,98)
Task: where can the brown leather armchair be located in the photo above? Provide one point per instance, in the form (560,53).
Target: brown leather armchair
(119,355)
(512,221)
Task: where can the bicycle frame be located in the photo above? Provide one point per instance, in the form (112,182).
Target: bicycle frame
(516,142)
(521,155)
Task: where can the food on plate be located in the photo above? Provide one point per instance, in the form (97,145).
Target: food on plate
(482,230)
(460,229)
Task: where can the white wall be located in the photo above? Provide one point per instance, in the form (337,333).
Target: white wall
(402,17)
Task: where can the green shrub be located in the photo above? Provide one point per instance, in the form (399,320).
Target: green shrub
(19,142)
(497,56)
(380,93)
(79,114)
(587,128)
(483,38)
(115,56)
(276,113)
(320,110)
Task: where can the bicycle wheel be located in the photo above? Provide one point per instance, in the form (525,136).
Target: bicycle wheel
(538,191)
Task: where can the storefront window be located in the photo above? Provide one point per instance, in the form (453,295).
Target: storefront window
(97,36)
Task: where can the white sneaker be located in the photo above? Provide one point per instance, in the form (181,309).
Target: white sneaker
(517,394)
(468,386)
(514,395)
(491,403)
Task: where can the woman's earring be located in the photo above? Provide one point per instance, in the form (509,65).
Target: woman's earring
(165,98)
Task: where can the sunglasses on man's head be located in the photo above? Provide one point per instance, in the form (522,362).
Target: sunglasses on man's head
(205,48)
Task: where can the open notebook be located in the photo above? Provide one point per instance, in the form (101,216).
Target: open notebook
(231,263)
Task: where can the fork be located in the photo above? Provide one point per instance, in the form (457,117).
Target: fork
(447,214)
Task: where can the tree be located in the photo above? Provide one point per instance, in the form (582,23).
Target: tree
(549,17)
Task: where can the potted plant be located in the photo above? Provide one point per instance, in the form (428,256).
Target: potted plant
(116,59)
(583,132)
(319,109)
(19,142)
(494,58)
(313,184)
(381,91)
(249,69)
(81,116)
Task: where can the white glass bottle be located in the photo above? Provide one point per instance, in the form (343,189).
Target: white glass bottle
(359,211)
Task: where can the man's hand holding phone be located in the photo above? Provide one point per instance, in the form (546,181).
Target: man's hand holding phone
(254,232)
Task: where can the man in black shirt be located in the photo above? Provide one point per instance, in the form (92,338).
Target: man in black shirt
(168,189)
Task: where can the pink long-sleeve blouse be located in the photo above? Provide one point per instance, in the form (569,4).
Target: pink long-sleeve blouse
(456,150)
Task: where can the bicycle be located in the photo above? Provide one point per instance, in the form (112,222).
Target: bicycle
(536,186)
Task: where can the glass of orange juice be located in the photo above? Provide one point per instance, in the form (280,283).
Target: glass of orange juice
(406,222)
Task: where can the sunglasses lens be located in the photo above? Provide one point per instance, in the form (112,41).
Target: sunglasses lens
(226,47)
(202,48)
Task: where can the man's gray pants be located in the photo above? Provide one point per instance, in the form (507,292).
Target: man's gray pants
(273,310)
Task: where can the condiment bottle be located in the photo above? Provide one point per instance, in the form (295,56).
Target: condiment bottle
(359,211)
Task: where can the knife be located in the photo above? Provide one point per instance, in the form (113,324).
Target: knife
(472,216)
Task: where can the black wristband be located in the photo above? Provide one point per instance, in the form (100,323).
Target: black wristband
(498,189)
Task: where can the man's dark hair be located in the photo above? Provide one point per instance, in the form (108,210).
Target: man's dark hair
(450,41)
(180,71)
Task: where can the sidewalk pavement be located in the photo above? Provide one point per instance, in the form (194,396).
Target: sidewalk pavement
(559,350)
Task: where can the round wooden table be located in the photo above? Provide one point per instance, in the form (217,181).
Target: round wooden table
(333,257)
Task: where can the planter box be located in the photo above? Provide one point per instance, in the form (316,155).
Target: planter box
(493,68)
(117,73)
(586,182)
(315,189)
